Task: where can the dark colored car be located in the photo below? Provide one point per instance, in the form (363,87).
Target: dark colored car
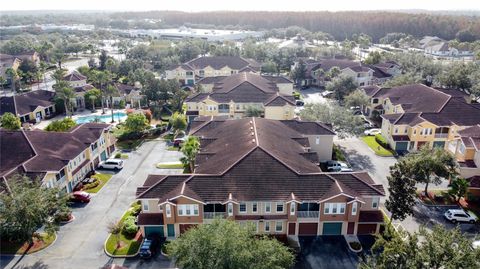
(148,248)
(81,197)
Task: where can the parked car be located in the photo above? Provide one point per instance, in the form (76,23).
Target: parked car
(326,93)
(459,215)
(177,142)
(476,244)
(299,103)
(336,166)
(373,131)
(114,164)
(148,248)
(80,196)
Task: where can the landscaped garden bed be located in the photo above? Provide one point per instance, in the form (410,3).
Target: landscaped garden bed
(377,148)
(436,197)
(169,166)
(129,238)
(38,244)
(99,182)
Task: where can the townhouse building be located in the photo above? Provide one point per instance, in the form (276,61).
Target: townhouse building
(232,96)
(80,86)
(264,172)
(57,159)
(466,148)
(210,66)
(30,107)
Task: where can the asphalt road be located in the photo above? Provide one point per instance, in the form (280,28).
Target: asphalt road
(80,243)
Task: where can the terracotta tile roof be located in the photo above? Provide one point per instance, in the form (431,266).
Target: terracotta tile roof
(27,102)
(74,76)
(471,136)
(15,150)
(417,98)
(370,216)
(150,218)
(455,112)
(309,127)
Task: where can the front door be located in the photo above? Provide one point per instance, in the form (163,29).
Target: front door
(103,156)
(351,227)
(38,116)
(170,230)
(291,228)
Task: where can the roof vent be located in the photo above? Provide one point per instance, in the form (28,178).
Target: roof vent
(253,140)
(251,127)
(253,133)
(251,122)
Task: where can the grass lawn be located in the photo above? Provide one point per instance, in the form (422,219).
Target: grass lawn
(379,150)
(173,148)
(129,144)
(129,245)
(103,178)
(23,248)
(169,165)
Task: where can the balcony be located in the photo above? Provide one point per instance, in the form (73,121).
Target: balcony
(441,135)
(307,214)
(61,181)
(214,215)
(224,111)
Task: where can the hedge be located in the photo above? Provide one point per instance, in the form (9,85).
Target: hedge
(382,141)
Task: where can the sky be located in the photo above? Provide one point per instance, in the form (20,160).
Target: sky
(210,5)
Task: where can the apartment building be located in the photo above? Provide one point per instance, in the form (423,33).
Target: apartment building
(231,96)
(29,107)
(210,66)
(58,159)
(264,172)
(466,147)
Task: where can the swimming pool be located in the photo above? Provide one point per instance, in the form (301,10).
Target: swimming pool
(107,118)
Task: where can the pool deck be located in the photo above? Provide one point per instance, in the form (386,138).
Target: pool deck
(45,122)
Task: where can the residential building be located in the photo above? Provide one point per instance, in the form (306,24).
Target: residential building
(211,66)
(474,186)
(443,49)
(79,84)
(29,56)
(6,62)
(259,171)
(130,94)
(29,107)
(231,96)
(417,115)
(57,159)
(466,147)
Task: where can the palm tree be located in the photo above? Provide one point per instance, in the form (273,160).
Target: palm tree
(59,74)
(101,78)
(13,75)
(459,188)
(111,91)
(190,149)
(42,68)
(64,92)
(92,99)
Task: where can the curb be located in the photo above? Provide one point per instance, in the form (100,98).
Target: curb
(117,256)
(427,205)
(69,221)
(27,254)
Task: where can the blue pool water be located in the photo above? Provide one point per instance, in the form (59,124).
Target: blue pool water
(107,118)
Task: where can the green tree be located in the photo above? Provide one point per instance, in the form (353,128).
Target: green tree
(59,74)
(437,249)
(225,244)
(13,76)
(102,59)
(341,86)
(136,122)
(333,73)
(93,98)
(253,111)
(10,122)
(431,165)
(190,149)
(115,228)
(402,189)
(101,79)
(344,123)
(270,67)
(27,206)
(178,121)
(110,92)
(65,93)
(299,73)
(404,79)
(373,58)
(459,188)
(357,98)
(61,125)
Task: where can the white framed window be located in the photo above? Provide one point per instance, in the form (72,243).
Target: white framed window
(242,208)
(268,207)
(375,202)
(396,130)
(266,227)
(279,208)
(278,226)
(334,208)
(254,207)
(230,209)
(292,209)
(188,210)
(168,210)
(145,206)
(354,208)
(317,140)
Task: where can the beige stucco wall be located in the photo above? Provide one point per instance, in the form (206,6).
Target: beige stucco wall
(279,113)
(285,88)
(324,148)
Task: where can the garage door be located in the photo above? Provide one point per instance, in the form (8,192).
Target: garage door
(185,227)
(366,228)
(307,228)
(332,228)
(154,231)
(401,146)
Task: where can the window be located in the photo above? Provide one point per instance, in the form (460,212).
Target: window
(268,207)
(168,210)
(230,209)
(279,207)
(267,226)
(202,73)
(243,208)
(317,140)
(375,100)
(254,207)
(278,226)
(145,206)
(396,130)
(405,130)
(354,208)
(462,148)
(334,208)
(188,210)
(375,201)
(292,209)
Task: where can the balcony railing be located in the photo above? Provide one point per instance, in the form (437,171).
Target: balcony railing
(224,111)
(213,215)
(441,135)
(307,214)
(61,181)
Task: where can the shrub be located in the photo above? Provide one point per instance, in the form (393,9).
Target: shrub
(61,125)
(91,185)
(148,115)
(136,209)
(355,245)
(118,155)
(382,141)
(129,227)
(121,104)
(296,95)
